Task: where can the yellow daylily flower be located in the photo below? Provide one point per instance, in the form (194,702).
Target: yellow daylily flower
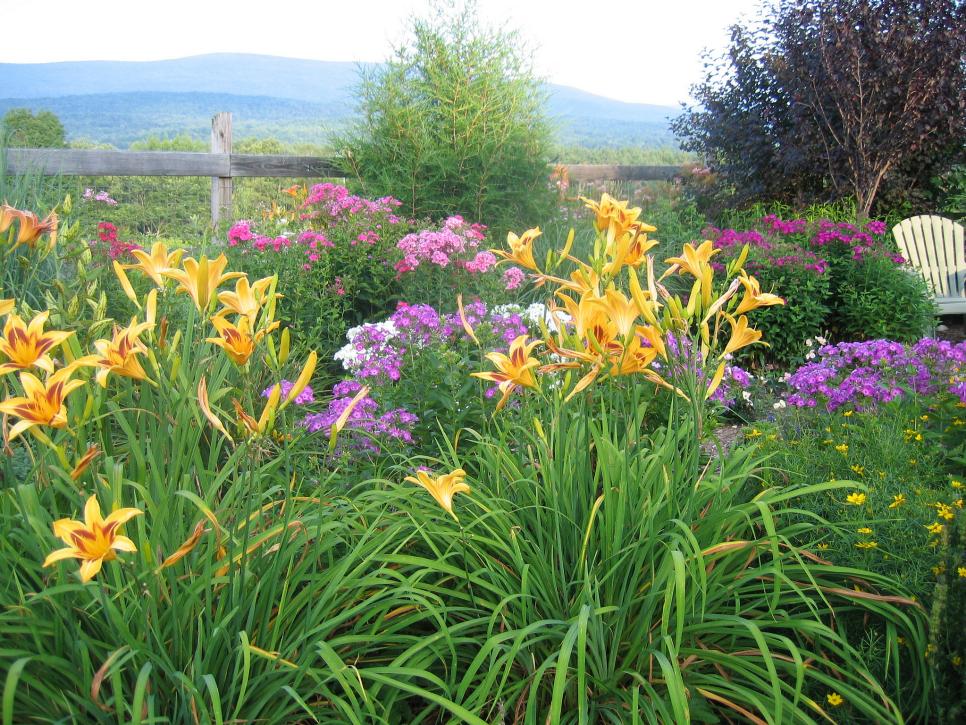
(442,488)
(247,300)
(31,228)
(255,428)
(93,541)
(521,248)
(43,402)
(694,260)
(741,335)
(631,248)
(155,264)
(6,307)
(623,312)
(119,354)
(754,297)
(200,278)
(634,358)
(27,345)
(513,370)
(237,341)
(612,216)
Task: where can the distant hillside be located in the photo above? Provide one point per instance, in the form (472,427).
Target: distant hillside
(294,100)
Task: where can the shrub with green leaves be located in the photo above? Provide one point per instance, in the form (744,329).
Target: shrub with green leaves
(454,124)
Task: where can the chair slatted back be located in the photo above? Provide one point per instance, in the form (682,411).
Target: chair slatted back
(934,245)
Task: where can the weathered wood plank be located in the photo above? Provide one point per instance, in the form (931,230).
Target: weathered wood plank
(73,162)
(284,166)
(221,185)
(614,172)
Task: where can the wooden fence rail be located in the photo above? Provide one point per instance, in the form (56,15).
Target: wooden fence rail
(222,166)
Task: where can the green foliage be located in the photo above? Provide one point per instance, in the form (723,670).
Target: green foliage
(877,299)
(24,129)
(454,124)
(947,648)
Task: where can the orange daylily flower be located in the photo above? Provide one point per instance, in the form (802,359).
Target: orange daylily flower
(754,297)
(513,370)
(521,248)
(237,341)
(119,354)
(200,278)
(694,260)
(93,541)
(43,402)
(31,228)
(246,300)
(623,312)
(28,345)
(157,262)
(442,488)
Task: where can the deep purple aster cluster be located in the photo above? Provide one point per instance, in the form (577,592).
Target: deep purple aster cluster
(686,359)
(304,398)
(865,374)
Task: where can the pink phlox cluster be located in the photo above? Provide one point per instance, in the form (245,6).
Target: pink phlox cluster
(513,277)
(451,244)
(101,197)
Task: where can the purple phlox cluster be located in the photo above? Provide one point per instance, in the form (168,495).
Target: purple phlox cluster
(451,244)
(865,374)
(303,398)
(419,325)
(101,197)
(508,327)
(685,359)
(728,238)
(371,426)
(335,202)
(373,353)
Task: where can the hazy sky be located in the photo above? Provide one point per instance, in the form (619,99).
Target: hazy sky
(634,50)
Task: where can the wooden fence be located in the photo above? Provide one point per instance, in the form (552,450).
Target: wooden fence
(223,166)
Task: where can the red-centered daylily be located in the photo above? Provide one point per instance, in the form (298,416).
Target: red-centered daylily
(93,541)
(119,354)
(237,340)
(43,402)
(741,335)
(442,488)
(31,228)
(612,216)
(514,370)
(27,345)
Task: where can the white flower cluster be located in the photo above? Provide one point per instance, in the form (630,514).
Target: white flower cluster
(535,315)
(348,355)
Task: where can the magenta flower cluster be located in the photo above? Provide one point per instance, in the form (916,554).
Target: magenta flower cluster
(455,243)
(334,203)
(865,374)
(99,197)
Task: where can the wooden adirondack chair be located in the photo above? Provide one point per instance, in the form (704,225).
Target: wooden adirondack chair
(934,246)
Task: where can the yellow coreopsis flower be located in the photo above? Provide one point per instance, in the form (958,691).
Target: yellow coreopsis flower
(521,248)
(741,335)
(6,307)
(935,528)
(200,278)
(961,570)
(27,345)
(119,354)
(155,264)
(867,545)
(31,228)
(93,541)
(513,370)
(834,699)
(898,500)
(754,297)
(442,488)
(855,499)
(43,402)
(237,341)
(246,300)
(694,260)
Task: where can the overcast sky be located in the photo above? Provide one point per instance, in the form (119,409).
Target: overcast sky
(644,51)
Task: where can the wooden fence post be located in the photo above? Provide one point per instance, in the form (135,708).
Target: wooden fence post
(221,185)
